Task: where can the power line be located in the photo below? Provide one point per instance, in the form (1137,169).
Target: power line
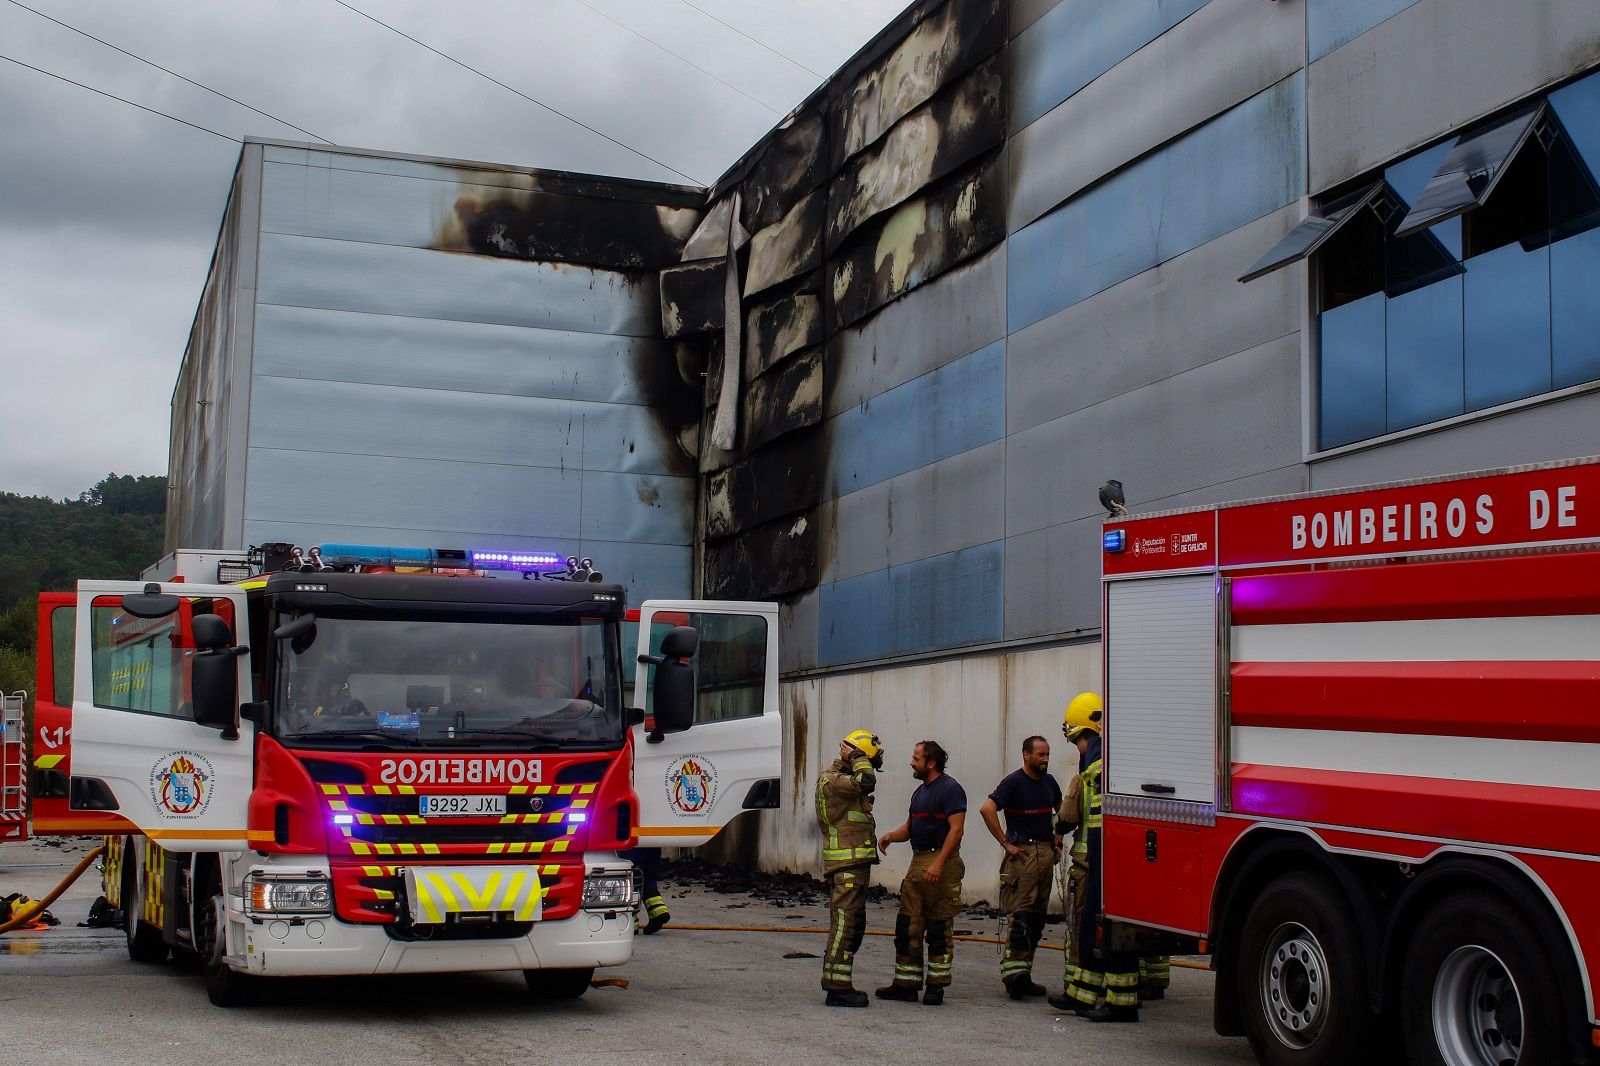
(507,88)
(120,99)
(751,39)
(670,52)
(165,70)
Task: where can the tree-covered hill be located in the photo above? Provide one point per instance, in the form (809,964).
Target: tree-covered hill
(113,530)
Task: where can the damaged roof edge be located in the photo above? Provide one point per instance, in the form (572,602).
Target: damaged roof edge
(691,195)
(884,41)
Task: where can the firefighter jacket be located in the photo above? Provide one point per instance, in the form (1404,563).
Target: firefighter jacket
(844,812)
(1080,808)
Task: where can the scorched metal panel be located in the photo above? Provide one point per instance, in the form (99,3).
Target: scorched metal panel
(1239,166)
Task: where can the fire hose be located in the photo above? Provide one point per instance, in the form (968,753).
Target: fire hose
(34,908)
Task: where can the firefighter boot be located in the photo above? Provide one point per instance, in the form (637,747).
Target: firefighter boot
(1022,985)
(933,997)
(1066,1004)
(902,993)
(846,997)
(656,908)
(1113,1014)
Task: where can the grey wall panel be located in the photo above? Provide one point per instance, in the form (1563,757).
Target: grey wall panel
(1565,429)
(1025,13)
(464,427)
(942,507)
(1284,481)
(1219,422)
(384,493)
(1434,67)
(958,313)
(1223,54)
(1053,580)
(797,632)
(1187,312)
(1331,23)
(382,279)
(315,343)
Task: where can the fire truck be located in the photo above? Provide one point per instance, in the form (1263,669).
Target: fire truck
(362,760)
(1353,753)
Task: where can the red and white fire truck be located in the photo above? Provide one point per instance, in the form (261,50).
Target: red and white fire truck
(408,761)
(1353,752)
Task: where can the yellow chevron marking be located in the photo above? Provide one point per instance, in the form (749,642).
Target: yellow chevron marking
(330,790)
(45,762)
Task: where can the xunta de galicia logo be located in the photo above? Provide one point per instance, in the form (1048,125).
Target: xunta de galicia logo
(181,784)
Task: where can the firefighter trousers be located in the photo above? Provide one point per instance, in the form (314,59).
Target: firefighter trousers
(1101,973)
(847,924)
(1025,900)
(927,912)
(1155,971)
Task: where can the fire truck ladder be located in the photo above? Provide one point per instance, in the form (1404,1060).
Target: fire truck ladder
(13,767)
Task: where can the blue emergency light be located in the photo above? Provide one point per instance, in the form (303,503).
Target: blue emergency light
(1115,540)
(443,558)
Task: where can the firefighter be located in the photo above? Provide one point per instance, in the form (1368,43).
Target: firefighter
(1093,972)
(930,895)
(1155,974)
(1028,797)
(648,860)
(844,811)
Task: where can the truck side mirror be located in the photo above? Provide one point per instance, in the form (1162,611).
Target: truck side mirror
(213,680)
(673,688)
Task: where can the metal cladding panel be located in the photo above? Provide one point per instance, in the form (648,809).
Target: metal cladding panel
(955,314)
(787,399)
(787,248)
(382,492)
(951,410)
(777,559)
(776,330)
(1225,420)
(462,427)
(793,163)
(939,508)
(1434,67)
(470,357)
(1530,435)
(1079,40)
(386,280)
(1236,168)
(692,297)
(1185,313)
(1025,13)
(1331,23)
(936,51)
(945,602)
(797,633)
(772,482)
(1225,53)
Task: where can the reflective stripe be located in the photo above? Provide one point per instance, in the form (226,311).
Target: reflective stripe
(859,816)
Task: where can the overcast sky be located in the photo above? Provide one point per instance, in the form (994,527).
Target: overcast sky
(108,215)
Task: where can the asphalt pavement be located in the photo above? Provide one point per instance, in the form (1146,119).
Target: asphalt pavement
(70,995)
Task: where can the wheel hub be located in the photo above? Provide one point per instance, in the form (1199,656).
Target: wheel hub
(1477,1010)
(1294,985)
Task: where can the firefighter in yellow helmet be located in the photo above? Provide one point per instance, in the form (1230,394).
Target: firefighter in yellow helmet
(844,812)
(1092,970)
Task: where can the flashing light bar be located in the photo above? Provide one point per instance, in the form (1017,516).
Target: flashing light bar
(517,561)
(1116,540)
(445,558)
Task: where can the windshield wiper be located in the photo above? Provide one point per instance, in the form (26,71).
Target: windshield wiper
(358,736)
(545,741)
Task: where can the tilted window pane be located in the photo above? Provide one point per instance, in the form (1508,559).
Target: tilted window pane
(1352,377)
(1313,233)
(1507,326)
(1470,172)
(1425,366)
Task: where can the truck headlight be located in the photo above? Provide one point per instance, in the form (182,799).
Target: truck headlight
(608,892)
(279,897)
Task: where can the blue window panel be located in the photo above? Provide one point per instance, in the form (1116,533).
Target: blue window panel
(1410,176)
(1353,374)
(1425,368)
(1245,163)
(947,601)
(1079,40)
(1578,107)
(1575,313)
(1507,325)
(949,411)
(1331,23)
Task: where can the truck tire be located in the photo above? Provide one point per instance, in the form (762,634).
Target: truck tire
(558,984)
(1479,988)
(225,987)
(1301,977)
(145,943)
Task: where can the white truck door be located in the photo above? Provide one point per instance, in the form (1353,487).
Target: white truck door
(136,749)
(691,784)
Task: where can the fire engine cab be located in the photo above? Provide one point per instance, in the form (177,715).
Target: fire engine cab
(360,760)
(1353,752)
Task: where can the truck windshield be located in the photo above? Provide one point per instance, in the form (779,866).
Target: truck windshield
(381,682)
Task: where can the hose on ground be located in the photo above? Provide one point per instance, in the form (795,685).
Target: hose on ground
(33,909)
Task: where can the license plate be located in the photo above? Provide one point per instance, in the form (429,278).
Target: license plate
(462,806)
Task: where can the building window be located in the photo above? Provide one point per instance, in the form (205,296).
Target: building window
(1457,279)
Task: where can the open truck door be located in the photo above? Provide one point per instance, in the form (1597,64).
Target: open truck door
(696,775)
(157,738)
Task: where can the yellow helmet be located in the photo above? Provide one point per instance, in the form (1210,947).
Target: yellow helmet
(865,742)
(1084,712)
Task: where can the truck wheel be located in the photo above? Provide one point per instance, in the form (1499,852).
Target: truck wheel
(1479,988)
(558,984)
(1301,977)
(145,943)
(225,987)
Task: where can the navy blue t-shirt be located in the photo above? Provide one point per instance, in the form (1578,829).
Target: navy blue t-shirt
(932,804)
(1029,806)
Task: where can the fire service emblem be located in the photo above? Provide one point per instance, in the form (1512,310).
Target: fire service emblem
(691,784)
(181,784)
